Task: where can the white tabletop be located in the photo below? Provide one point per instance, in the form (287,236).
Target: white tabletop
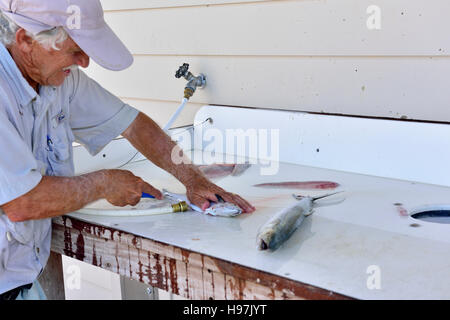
(333,248)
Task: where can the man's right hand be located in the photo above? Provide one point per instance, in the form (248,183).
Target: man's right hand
(55,196)
(121,188)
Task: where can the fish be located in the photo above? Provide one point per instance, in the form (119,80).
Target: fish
(219,170)
(221,208)
(300,185)
(239,169)
(282,225)
(216,170)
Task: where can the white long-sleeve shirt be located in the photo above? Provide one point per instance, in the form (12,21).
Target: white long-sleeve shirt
(36,135)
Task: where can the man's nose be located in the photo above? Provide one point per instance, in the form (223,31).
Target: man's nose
(82,60)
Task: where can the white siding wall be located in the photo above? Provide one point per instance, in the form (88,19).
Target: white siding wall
(309,55)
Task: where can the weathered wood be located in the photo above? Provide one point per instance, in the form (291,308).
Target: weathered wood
(52,278)
(180,271)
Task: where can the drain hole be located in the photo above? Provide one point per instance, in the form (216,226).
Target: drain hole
(437,216)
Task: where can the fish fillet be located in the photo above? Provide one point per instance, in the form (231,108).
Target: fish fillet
(214,171)
(299,185)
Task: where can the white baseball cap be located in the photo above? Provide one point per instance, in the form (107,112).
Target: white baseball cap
(82,19)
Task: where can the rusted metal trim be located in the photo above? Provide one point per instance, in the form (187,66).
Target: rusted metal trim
(174,269)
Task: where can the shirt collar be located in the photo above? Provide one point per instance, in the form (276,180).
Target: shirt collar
(22,89)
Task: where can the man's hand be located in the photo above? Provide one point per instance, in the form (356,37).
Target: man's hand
(123,188)
(147,137)
(201,191)
(54,196)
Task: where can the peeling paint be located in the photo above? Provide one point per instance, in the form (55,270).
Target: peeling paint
(174,269)
(173,276)
(94,256)
(79,254)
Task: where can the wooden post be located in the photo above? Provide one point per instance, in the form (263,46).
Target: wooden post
(52,278)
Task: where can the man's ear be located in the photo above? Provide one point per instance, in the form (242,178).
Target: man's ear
(23,41)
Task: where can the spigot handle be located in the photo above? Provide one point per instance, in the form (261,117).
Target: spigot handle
(182,70)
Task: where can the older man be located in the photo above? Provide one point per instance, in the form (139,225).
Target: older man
(45,105)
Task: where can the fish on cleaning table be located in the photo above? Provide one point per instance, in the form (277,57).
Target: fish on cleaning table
(221,208)
(299,185)
(216,170)
(219,170)
(281,226)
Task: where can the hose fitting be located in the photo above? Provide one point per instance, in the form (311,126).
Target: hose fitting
(188,92)
(180,207)
(193,81)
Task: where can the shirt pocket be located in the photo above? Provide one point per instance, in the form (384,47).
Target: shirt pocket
(22,232)
(59,146)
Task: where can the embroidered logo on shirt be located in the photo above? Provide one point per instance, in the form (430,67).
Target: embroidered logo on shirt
(56,120)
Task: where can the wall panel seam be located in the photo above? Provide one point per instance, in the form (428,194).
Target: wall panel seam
(205,4)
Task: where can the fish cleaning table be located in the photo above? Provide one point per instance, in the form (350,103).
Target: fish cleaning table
(363,244)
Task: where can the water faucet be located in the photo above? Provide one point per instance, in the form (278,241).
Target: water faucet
(193,81)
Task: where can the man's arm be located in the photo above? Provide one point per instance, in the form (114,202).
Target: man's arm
(54,196)
(147,137)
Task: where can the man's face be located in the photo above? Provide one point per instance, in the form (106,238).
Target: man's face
(51,67)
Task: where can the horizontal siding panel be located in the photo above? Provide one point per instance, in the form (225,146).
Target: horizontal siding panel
(156,4)
(413,88)
(288,28)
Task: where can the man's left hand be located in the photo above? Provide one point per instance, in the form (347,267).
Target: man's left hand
(201,191)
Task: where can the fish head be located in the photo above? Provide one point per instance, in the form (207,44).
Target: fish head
(263,244)
(223,209)
(266,239)
(270,238)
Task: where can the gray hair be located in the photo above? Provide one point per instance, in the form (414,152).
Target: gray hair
(48,38)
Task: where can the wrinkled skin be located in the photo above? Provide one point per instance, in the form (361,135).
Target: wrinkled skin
(41,66)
